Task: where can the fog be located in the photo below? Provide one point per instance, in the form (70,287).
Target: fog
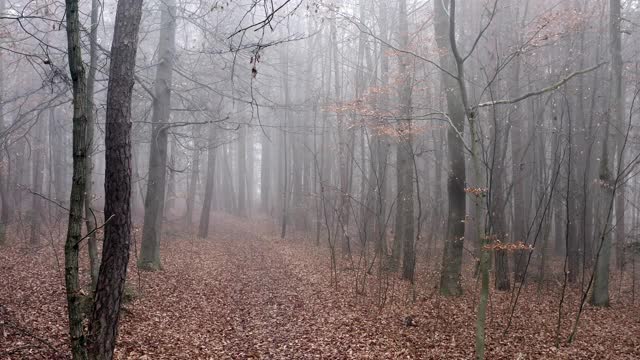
(394,156)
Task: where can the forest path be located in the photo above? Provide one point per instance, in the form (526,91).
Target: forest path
(246,294)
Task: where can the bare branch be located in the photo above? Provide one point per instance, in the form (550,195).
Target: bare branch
(540,91)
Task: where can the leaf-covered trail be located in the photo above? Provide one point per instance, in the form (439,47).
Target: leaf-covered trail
(245,294)
(241,294)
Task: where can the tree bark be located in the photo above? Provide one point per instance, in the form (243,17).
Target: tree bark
(265,175)
(103,327)
(90,218)
(4,175)
(78,185)
(242,171)
(203,229)
(37,172)
(405,232)
(155,199)
(193,181)
(600,294)
(452,255)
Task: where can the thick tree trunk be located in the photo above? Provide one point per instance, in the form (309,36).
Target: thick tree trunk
(452,255)
(155,198)
(600,294)
(103,327)
(405,162)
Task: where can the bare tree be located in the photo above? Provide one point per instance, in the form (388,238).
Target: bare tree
(103,325)
(155,199)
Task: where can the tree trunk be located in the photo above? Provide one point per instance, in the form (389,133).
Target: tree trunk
(4,175)
(452,255)
(600,294)
(265,175)
(405,232)
(155,198)
(170,197)
(57,177)
(193,181)
(103,327)
(90,218)
(250,136)
(203,230)
(37,172)
(78,185)
(618,105)
(497,210)
(242,171)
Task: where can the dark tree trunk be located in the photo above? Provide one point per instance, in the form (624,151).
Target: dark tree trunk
(452,255)
(78,185)
(405,162)
(103,326)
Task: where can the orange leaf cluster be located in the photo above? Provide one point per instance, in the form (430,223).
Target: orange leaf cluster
(476,191)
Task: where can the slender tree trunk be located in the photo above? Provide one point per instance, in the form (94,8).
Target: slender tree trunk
(78,185)
(193,181)
(265,175)
(170,198)
(498,205)
(90,217)
(242,171)
(343,149)
(382,141)
(284,149)
(57,177)
(205,215)
(249,172)
(37,173)
(4,174)
(618,107)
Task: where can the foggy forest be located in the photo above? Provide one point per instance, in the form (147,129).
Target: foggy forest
(319,179)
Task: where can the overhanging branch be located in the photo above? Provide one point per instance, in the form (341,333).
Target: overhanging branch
(540,91)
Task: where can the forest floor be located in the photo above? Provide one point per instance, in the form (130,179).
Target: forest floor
(246,294)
